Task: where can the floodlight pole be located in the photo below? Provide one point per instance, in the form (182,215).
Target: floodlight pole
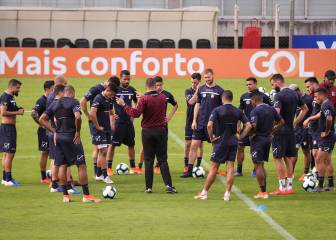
(291,22)
(276,26)
(235,34)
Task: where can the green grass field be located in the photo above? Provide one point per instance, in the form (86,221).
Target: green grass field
(31,212)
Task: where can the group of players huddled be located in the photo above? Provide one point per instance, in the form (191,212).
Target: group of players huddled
(291,120)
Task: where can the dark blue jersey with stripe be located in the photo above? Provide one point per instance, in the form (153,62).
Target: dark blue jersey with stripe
(128,95)
(327,110)
(40,105)
(189,93)
(9,101)
(104,106)
(246,103)
(209,98)
(93,92)
(263,117)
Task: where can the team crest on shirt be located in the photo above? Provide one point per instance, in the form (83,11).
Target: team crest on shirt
(212,95)
(129,97)
(204,95)
(248,102)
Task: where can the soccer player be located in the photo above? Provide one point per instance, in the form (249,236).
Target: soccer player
(222,130)
(326,140)
(286,102)
(312,121)
(37,111)
(246,106)
(328,84)
(88,97)
(191,98)
(208,98)
(265,122)
(69,150)
(152,105)
(9,110)
(300,132)
(102,118)
(124,129)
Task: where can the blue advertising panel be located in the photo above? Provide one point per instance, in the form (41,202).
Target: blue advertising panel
(314,41)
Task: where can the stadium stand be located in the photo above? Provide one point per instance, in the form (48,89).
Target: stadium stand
(185,43)
(47,43)
(64,42)
(135,43)
(117,43)
(153,43)
(203,43)
(82,43)
(167,43)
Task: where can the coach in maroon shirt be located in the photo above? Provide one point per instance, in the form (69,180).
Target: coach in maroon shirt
(328,84)
(152,105)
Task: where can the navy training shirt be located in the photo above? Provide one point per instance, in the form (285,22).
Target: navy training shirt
(128,95)
(8,100)
(288,101)
(209,98)
(327,109)
(189,93)
(225,119)
(314,125)
(104,106)
(246,103)
(63,110)
(93,92)
(263,116)
(40,105)
(308,100)
(169,97)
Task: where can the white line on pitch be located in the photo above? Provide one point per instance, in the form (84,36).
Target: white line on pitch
(248,201)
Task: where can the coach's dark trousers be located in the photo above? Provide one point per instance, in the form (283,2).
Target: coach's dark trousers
(154,142)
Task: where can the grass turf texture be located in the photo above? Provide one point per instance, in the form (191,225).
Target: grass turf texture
(31,212)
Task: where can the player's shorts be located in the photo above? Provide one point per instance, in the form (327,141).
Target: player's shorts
(43,142)
(283,145)
(224,152)
(326,144)
(124,134)
(101,138)
(52,147)
(301,138)
(7,138)
(260,147)
(201,134)
(244,142)
(314,137)
(68,153)
(188,132)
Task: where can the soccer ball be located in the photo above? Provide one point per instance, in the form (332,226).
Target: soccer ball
(309,185)
(262,89)
(109,192)
(310,176)
(314,171)
(48,173)
(198,172)
(122,168)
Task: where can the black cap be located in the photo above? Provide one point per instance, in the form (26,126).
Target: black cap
(330,75)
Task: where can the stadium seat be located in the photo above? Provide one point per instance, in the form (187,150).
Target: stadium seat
(64,42)
(135,43)
(12,42)
(167,43)
(283,42)
(117,43)
(153,43)
(267,42)
(47,43)
(225,42)
(99,43)
(185,43)
(82,43)
(29,42)
(203,43)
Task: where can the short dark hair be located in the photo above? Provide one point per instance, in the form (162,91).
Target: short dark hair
(59,88)
(227,94)
(48,84)
(208,70)
(321,91)
(158,79)
(330,74)
(115,80)
(14,82)
(251,79)
(112,87)
(196,76)
(124,72)
(257,96)
(150,82)
(277,77)
(312,80)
